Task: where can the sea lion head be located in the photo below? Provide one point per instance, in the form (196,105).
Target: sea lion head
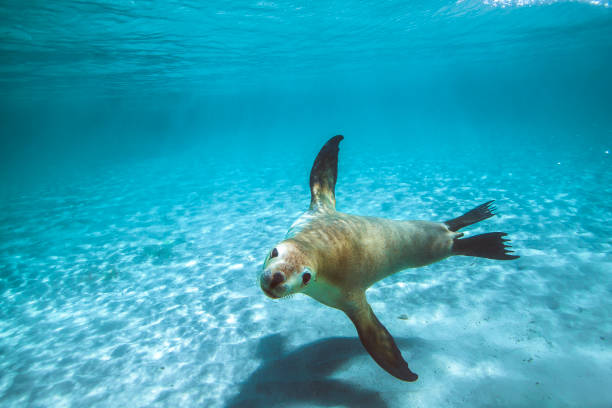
(285,271)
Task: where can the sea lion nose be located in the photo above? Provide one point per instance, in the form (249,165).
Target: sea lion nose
(272,280)
(277,279)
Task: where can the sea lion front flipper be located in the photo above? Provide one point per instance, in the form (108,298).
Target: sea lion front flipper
(379,343)
(323,175)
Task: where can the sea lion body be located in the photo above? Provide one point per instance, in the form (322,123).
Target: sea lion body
(354,252)
(335,257)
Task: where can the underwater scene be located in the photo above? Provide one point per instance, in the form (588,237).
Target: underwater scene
(155,156)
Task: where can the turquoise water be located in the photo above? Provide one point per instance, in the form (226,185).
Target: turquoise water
(152,153)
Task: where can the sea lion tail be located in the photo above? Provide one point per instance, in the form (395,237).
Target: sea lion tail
(480,213)
(491,245)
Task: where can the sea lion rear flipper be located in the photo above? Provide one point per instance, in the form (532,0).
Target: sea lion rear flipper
(323,175)
(379,343)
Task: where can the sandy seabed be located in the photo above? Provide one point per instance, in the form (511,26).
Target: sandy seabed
(137,287)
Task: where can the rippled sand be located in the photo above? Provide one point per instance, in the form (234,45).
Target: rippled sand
(136,287)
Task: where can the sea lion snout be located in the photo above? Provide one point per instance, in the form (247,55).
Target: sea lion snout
(270,280)
(276,279)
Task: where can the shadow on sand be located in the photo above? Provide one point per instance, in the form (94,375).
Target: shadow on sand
(303,376)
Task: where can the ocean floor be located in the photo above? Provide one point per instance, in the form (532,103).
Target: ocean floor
(136,286)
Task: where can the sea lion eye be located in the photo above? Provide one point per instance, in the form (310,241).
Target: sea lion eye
(306,278)
(274,253)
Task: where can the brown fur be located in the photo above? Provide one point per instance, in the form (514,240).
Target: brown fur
(355,252)
(349,254)
(346,254)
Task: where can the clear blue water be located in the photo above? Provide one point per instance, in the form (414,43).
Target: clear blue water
(151,153)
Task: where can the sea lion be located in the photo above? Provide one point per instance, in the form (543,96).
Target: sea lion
(335,257)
